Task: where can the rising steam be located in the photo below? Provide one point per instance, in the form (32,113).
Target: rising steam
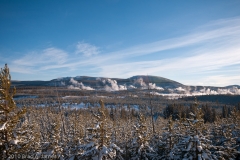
(77,85)
(140,83)
(111,85)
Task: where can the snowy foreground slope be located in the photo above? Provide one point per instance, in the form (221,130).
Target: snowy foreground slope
(100,133)
(53,132)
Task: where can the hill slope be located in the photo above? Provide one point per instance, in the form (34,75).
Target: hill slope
(99,81)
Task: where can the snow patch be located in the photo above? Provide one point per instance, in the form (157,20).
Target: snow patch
(3,126)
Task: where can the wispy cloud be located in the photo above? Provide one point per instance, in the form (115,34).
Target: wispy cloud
(47,56)
(198,63)
(86,49)
(33,61)
(21,69)
(218,32)
(209,48)
(219,80)
(216,47)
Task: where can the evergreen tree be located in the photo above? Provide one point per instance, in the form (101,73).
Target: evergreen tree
(226,133)
(98,143)
(139,147)
(169,137)
(10,141)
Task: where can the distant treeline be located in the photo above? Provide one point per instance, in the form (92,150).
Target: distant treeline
(224,99)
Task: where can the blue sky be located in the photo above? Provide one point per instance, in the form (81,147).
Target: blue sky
(192,42)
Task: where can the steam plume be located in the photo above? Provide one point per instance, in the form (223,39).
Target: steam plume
(77,85)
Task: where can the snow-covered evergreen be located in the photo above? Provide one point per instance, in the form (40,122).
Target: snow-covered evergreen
(101,134)
(97,144)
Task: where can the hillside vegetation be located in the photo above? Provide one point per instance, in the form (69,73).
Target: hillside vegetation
(111,130)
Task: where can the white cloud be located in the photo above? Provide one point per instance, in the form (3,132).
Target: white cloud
(224,31)
(219,80)
(33,62)
(86,49)
(216,46)
(21,69)
(47,56)
(201,61)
